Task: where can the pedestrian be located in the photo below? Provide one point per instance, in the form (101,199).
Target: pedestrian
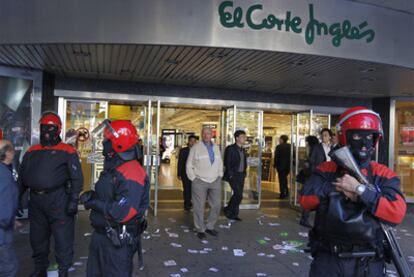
(282,164)
(235,164)
(118,203)
(305,173)
(52,172)
(348,213)
(9,197)
(182,174)
(321,152)
(205,170)
(334,142)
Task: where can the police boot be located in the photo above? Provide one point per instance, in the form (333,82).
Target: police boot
(39,273)
(63,273)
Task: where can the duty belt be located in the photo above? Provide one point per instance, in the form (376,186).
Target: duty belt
(45,191)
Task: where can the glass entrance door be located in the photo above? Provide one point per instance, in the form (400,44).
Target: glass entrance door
(304,124)
(251,121)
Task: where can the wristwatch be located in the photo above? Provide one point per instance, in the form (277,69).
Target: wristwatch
(360,189)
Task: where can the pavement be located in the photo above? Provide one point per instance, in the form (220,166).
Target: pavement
(268,242)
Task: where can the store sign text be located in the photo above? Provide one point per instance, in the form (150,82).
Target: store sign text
(236,18)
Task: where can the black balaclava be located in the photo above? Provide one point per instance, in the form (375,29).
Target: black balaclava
(49,135)
(357,146)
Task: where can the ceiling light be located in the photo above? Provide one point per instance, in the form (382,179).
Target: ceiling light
(172,62)
(368,70)
(81,53)
(217,55)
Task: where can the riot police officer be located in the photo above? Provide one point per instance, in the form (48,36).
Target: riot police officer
(347,239)
(52,172)
(118,203)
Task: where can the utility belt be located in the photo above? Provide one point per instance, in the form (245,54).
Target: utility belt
(374,250)
(46,191)
(121,234)
(67,186)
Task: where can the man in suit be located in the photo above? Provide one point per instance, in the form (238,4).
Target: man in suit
(320,153)
(182,174)
(282,164)
(235,163)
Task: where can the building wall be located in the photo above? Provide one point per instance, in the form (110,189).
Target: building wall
(206,93)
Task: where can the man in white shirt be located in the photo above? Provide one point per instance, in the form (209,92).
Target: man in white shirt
(205,170)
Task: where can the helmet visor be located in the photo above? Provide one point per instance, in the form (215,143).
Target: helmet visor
(104,126)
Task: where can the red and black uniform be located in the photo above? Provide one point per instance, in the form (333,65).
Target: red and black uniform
(54,176)
(121,198)
(118,203)
(385,203)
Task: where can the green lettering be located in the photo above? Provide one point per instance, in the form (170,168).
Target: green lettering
(249,19)
(229,20)
(335,31)
(274,22)
(370,33)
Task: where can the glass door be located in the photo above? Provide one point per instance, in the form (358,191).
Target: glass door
(152,150)
(79,118)
(251,121)
(301,128)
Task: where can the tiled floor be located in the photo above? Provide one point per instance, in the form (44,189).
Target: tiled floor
(270,239)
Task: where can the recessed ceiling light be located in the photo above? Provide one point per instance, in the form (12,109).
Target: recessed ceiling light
(81,53)
(297,63)
(217,55)
(172,62)
(241,68)
(368,70)
(369,79)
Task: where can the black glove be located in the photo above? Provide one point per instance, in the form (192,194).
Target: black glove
(86,197)
(72,207)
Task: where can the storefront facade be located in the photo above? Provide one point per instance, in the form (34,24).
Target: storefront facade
(240,64)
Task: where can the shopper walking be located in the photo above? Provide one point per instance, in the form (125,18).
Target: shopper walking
(205,170)
(321,152)
(282,164)
(235,163)
(182,174)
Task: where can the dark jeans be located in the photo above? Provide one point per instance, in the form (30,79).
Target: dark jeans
(8,261)
(186,192)
(327,264)
(107,261)
(47,215)
(283,181)
(237,185)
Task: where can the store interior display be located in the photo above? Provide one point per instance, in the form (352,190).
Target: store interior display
(404,146)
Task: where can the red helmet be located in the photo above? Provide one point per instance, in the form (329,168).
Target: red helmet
(358,118)
(51,118)
(122,134)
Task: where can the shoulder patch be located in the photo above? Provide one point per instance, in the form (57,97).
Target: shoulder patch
(132,171)
(35,147)
(382,171)
(327,167)
(59,147)
(64,147)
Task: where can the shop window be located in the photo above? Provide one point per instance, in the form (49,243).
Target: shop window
(404,146)
(15,113)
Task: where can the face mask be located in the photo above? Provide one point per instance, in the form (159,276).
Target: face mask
(107,151)
(362,145)
(49,135)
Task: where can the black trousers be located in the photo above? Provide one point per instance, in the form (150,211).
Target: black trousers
(186,192)
(107,261)
(237,185)
(47,216)
(283,181)
(327,264)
